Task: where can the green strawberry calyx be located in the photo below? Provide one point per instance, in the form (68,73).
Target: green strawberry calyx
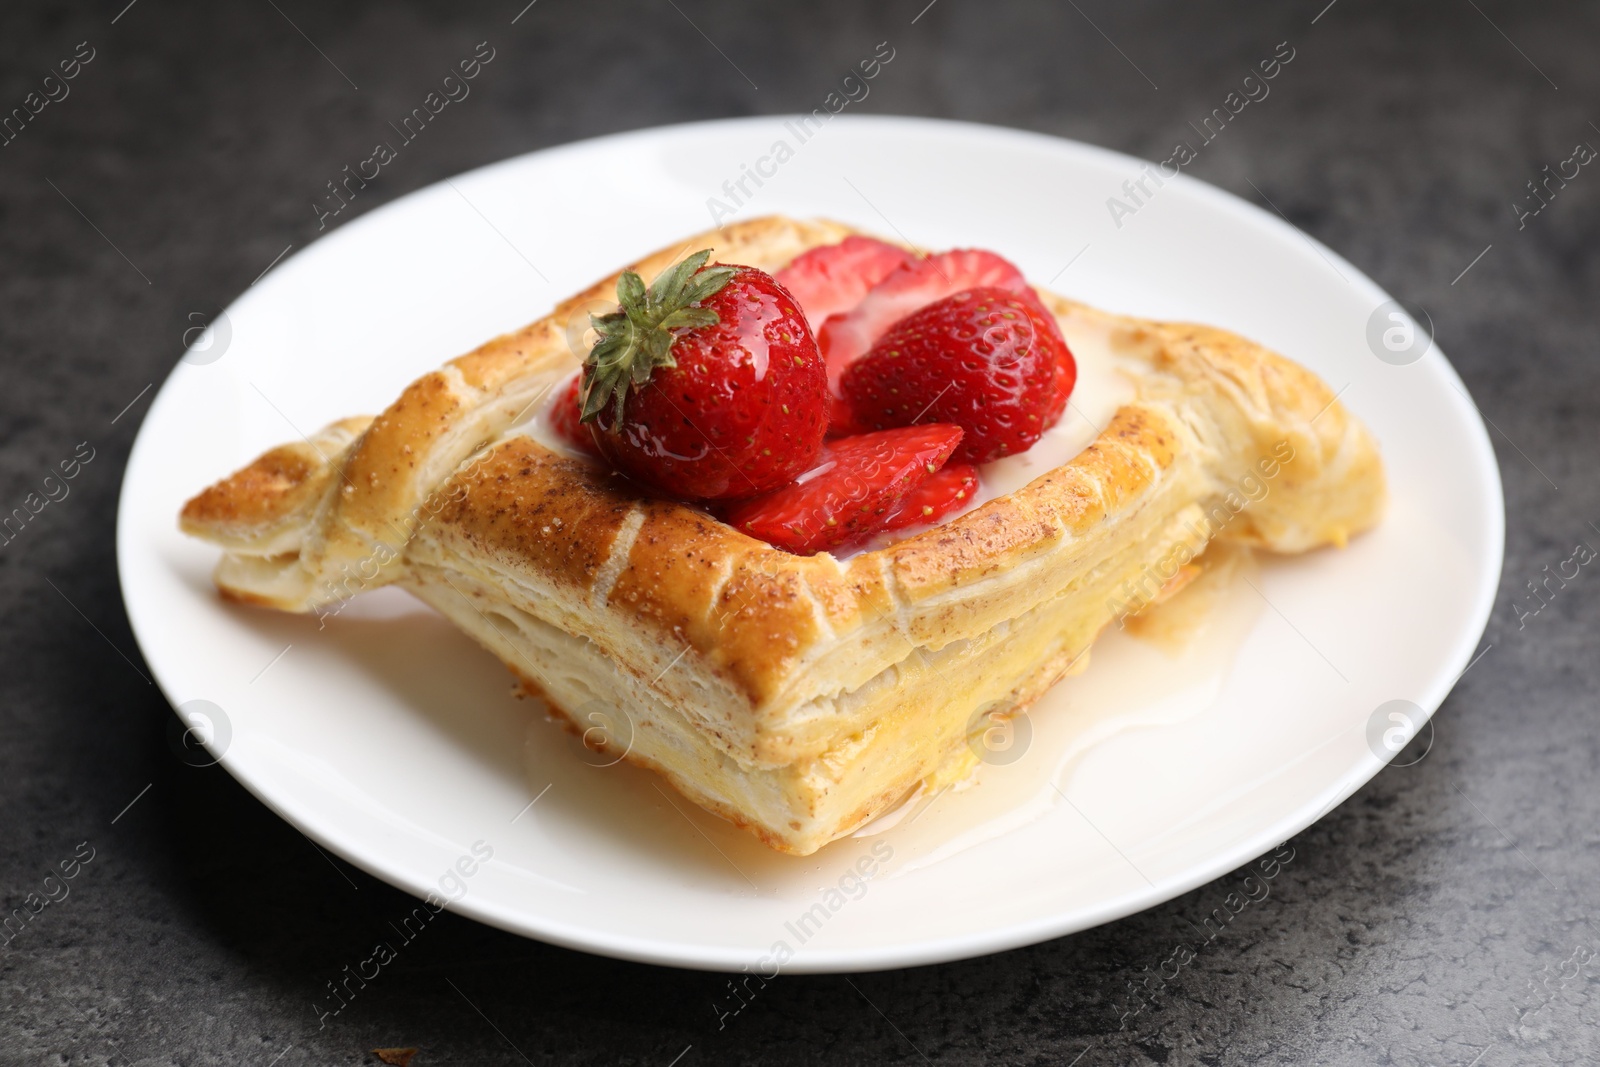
(637,338)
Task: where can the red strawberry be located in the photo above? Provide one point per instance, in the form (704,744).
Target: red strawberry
(1066,381)
(953,486)
(845,337)
(985,359)
(566,415)
(834,278)
(851,493)
(841,422)
(708,385)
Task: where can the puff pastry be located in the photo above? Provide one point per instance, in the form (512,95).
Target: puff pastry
(798,697)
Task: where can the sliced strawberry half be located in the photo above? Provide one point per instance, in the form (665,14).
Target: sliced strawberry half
(851,493)
(908,288)
(565,413)
(834,278)
(948,489)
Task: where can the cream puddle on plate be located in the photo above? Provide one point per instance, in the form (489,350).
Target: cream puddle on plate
(1166,666)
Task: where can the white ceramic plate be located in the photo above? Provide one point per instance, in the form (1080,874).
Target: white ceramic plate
(395,742)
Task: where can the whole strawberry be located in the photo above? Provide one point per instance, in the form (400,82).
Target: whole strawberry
(566,417)
(708,384)
(986,359)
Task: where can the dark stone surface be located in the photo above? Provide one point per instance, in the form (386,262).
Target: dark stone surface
(1441,914)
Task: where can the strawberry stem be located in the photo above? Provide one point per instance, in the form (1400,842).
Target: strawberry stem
(637,338)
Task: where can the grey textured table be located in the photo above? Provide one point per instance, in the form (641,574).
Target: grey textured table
(1440,917)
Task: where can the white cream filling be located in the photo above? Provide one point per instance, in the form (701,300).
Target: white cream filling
(1101,389)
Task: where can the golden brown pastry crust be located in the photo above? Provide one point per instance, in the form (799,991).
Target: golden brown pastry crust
(787,666)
